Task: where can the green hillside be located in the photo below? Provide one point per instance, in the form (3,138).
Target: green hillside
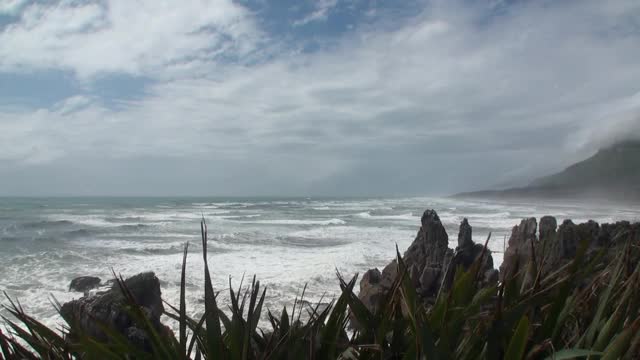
(613,173)
(611,168)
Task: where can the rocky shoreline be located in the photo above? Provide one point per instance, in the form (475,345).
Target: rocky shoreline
(431,265)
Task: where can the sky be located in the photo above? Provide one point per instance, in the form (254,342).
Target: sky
(309,98)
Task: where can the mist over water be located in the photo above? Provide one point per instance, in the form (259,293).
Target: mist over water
(44,243)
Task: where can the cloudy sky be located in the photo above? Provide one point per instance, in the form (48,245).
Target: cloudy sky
(302,97)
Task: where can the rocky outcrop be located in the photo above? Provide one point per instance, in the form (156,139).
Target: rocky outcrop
(548,226)
(555,246)
(84,283)
(430,262)
(466,254)
(109,308)
(523,237)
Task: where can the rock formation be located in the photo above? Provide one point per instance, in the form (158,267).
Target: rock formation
(466,254)
(554,246)
(430,262)
(523,237)
(108,308)
(84,283)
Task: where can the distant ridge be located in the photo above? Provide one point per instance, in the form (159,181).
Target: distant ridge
(612,173)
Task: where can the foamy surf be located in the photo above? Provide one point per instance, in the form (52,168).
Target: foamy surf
(287,243)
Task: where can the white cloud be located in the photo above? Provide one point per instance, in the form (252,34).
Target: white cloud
(511,93)
(320,12)
(11,7)
(121,36)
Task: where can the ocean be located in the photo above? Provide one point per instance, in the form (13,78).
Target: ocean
(286,242)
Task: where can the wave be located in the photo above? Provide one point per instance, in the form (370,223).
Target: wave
(47,224)
(407,216)
(297,222)
(134,227)
(309,242)
(81,233)
(82,220)
(154,250)
(355,233)
(123,219)
(248,216)
(502,214)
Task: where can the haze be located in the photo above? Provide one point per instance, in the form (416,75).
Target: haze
(331,97)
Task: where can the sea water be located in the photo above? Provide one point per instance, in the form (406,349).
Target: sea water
(286,242)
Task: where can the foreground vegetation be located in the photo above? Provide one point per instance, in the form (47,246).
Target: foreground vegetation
(588,309)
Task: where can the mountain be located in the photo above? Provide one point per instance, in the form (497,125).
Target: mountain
(612,173)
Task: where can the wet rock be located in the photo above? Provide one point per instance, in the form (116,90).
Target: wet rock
(108,308)
(84,283)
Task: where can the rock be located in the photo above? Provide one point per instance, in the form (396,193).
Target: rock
(465,235)
(519,248)
(567,240)
(431,245)
(84,283)
(373,276)
(429,278)
(108,308)
(491,276)
(389,274)
(427,260)
(415,275)
(371,289)
(559,245)
(429,252)
(466,254)
(548,226)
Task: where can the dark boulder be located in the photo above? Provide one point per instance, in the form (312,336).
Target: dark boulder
(109,308)
(84,283)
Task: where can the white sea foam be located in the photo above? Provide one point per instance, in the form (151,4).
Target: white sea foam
(296,222)
(403,217)
(286,243)
(240,216)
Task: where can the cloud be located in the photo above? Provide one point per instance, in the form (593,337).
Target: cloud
(320,12)
(457,97)
(11,7)
(119,36)
(619,122)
